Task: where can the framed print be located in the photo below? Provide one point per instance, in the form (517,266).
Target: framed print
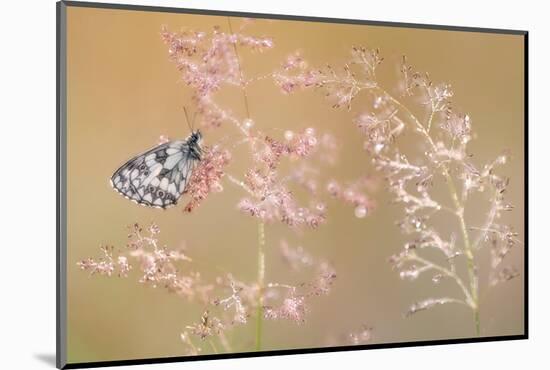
(235,184)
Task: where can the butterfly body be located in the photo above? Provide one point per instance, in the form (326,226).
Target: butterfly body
(158,177)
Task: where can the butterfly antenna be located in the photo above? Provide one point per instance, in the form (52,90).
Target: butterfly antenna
(193,121)
(187,119)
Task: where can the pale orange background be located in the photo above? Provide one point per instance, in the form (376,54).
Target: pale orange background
(123,93)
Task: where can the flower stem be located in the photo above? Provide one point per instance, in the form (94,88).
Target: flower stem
(245,96)
(261,226)
(447,272)
(459,210)
(472,273)
(261,282)
(213,346)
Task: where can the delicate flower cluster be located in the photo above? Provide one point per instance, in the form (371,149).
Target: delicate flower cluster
(241,294)
(354,194)
(445,135)
(106,265)
(158,265)
(228,302)
(237,300)
(298,145)
(208,60)
(293,309)
(324,280)
(341,85)
(379,129)
(269,198)
(309,173)
(442,158)
(207,326)
(436,96)
(207,176)
(293,306)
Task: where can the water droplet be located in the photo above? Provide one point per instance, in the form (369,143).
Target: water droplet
(332,187)
(248,123)
(360,211)
(437,278)
(217,187)
(378,102)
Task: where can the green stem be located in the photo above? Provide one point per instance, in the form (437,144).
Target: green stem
(476,319)
(261,283)
(213,346)
(261,226)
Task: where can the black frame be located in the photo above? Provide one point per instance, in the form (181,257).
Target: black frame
(61,276)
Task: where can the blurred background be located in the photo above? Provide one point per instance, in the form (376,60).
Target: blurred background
(123,93)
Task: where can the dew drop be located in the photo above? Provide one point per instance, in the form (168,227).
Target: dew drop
(248,123)
(360,211)
(312,141)
(217,187)
(378,148)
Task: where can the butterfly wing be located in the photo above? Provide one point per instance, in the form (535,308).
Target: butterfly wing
(158,177)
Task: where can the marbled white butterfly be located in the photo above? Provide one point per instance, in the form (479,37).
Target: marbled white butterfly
(158,177)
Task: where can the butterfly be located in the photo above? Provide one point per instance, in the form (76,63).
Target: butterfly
(158,177)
